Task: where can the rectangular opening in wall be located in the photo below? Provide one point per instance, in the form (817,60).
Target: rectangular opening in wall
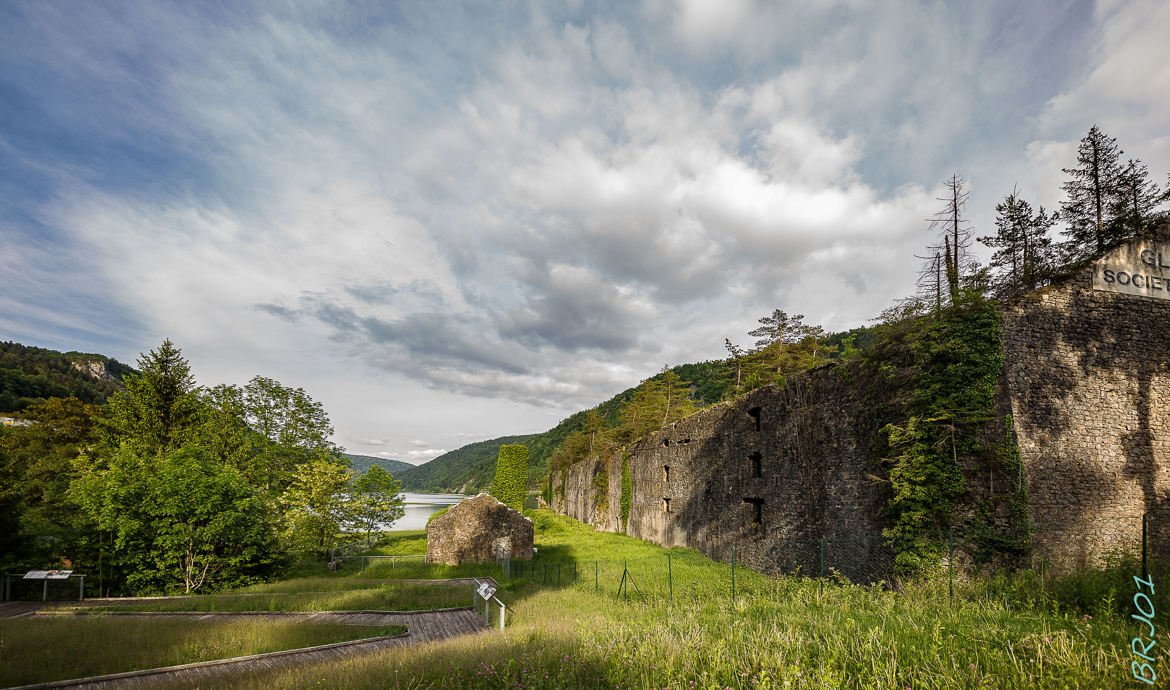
(666,505)
(757,460)
(666,473)
(757,505)
(754,413)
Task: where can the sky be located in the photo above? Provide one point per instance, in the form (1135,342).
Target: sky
(449,222)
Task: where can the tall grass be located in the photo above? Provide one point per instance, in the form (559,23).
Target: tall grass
(44,649)
(1011,631)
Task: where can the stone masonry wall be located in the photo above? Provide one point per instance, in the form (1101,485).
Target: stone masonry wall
(773,472)
(1088,376)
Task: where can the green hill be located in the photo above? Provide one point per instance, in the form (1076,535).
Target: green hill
(29,375)
(361,463)
(469,469)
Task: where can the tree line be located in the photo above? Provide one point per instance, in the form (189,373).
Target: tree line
(1107,201)
(175,487)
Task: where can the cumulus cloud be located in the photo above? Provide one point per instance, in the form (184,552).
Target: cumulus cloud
(448,209)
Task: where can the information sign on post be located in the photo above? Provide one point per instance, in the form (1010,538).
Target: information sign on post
(486,591)
(48,574)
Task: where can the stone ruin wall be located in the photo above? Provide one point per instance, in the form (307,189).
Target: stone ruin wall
(771,472)
(1088,376)
(1085,376)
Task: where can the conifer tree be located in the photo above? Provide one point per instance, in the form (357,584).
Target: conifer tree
(1134,201)
(159,409)
(1089,190)
(956,234)
(1022,259)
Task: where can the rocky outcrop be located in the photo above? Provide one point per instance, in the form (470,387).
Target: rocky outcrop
(95,369)
(472,530)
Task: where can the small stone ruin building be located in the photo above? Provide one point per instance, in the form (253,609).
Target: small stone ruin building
(471,531)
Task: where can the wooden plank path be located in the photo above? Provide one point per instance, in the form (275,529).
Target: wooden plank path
(422,627)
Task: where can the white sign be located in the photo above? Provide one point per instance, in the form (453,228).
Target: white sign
(486,591)
(47,575)
(1137,268)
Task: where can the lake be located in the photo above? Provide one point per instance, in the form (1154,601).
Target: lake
(419,507)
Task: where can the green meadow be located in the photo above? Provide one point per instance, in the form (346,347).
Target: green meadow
(41,649)
(1010,631)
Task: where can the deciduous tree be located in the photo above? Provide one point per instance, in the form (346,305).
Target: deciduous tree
(374,499)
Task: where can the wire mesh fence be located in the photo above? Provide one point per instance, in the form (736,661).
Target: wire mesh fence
(749,569)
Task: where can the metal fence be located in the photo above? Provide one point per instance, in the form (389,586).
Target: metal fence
(747,569)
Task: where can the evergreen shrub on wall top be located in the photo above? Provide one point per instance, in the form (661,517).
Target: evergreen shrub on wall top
(511,483)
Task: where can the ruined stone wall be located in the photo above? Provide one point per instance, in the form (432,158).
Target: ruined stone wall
(772,473)
(593,502)
(1086,372)
(472,531)
(1088,376)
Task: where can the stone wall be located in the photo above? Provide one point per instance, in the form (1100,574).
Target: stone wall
(471,531)
(772,473)
(1087,374)
(776,471)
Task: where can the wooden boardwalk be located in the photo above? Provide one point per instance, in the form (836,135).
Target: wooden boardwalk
(421,626)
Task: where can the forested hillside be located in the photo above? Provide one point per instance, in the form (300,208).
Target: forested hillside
(30,375)
(361,463)
(667,396)
(469,469)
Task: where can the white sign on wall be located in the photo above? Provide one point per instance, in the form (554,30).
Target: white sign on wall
(1138,268)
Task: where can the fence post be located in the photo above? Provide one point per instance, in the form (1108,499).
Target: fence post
(733,572)
(1145,574)
(821,577)
(625,590)
(670,577)
(951,561)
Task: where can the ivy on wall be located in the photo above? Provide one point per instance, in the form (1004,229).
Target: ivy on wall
(955,358)
(510,486)
(600,486)
(627,491)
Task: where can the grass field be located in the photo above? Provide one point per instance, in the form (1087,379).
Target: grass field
(1010,632)
(312,594)
(44,648)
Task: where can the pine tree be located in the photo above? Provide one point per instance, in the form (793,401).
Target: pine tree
(1089,189)
(1134,201)
(676,397)
(1024,248)
(159,409)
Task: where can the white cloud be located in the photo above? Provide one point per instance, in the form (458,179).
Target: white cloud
(510,223)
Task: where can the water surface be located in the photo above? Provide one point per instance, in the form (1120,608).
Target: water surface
(419,507)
